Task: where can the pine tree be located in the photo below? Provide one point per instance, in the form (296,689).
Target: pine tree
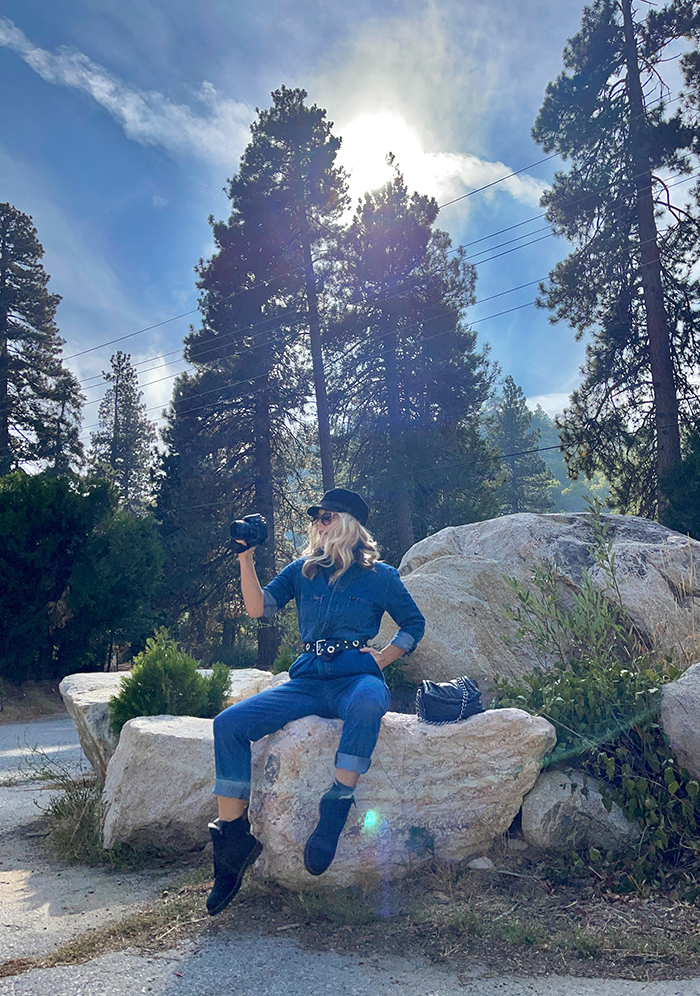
(122,446)
(289,183)
(408,381)
(527,481)
(236,424)
(40,399)
(628,282)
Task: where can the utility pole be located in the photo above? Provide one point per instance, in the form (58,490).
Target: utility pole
(668,445)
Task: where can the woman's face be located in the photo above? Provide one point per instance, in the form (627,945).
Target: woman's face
(326,523)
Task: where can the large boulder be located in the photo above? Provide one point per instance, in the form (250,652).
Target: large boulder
(680,718)
(459,576)
(157,791)
(566,811)
(86,697)
(446,791)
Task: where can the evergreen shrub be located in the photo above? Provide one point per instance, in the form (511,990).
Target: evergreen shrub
(603,696)
(164,681)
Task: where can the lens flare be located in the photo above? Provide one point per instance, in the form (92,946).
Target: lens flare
(371,819)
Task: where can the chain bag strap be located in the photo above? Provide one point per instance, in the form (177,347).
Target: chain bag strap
(448,702)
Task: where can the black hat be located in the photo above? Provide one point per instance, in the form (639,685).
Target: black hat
(342,500)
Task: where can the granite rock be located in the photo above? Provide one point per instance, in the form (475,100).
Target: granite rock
(446,791)
(680,718)
(565,811)
(458,577)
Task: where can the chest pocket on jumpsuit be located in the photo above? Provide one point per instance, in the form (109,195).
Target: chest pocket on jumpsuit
(358,613)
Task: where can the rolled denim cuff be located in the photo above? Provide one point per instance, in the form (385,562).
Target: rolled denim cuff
(269,605)
(231,790)
(352,763)
(404,641)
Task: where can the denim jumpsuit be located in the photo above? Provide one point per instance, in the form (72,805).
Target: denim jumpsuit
(350,687)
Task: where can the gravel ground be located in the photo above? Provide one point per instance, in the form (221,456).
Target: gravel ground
(43,905)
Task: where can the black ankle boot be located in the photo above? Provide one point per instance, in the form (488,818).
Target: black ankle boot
(235,850)
(321,845)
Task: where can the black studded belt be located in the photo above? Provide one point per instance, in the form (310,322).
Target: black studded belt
(330,648)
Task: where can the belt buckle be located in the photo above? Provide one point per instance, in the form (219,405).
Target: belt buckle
(319,647)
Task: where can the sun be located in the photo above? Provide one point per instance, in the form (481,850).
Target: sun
(366,143)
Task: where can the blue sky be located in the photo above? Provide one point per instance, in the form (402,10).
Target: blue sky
(123,120)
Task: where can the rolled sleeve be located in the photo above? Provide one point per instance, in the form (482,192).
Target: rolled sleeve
(270,605)
(281,589)
(405,613)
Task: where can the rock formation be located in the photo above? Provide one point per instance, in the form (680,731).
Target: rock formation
(447,790)
(680,718)
(86,697)
(459,576)
(565,811)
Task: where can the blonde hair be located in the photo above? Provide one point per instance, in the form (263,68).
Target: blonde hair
(349,544)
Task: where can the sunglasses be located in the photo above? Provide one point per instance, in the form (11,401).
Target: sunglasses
(324,517)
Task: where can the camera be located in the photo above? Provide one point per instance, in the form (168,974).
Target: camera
(252,529)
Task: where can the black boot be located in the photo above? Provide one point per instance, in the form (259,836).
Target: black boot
(321,845)
(235,850)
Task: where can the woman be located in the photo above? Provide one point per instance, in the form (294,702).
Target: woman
(341,591)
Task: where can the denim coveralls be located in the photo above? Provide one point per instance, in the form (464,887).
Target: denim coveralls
(351,687)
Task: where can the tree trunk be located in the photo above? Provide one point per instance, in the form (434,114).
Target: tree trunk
(404,523)
(324,429)
(268,631)
(668,446)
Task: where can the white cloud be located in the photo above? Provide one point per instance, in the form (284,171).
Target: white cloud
(147,116)
(369,138)
(553,404)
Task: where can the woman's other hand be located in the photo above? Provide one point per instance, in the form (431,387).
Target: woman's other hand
(384,657)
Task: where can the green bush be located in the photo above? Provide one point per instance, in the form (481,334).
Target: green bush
(603,696)
(164,681)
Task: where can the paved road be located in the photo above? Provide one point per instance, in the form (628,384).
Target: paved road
(41,906)
(255,966)
(22,744)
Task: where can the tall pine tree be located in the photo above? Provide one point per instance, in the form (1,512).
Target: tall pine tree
(629,281)
(121,449)
(527,482)
(236,424)
(409,382)
(40,400)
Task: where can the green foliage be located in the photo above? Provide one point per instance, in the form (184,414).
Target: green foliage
(121,447)
(527,481)
(609,148)
(603,696)
(164,681)
(40,398)
(680,486)
(76,574)
(406,397)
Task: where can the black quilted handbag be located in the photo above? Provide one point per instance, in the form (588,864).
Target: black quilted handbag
(448,702)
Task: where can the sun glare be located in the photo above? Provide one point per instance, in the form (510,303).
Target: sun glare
(366,143)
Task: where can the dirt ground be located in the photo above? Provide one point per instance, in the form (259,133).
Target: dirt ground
(29,701)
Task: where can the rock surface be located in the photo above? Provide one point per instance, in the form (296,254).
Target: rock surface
(86,697)
(459,575)
(564,811)
(159,781)
(680,718)
(442,790)
(447,791)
